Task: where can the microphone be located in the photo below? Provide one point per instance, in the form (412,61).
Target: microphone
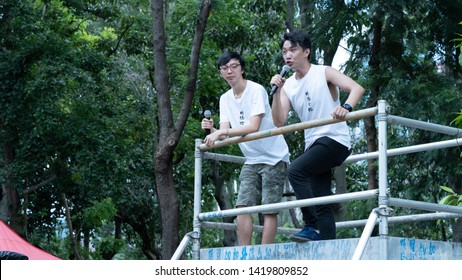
(207,115)
(284,71)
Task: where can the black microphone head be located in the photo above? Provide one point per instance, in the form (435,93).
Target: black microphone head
(207,114)
(285,69)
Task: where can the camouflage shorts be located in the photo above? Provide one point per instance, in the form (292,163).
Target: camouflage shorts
(254,176)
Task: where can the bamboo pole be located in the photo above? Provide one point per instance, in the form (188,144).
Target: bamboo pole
(289,128)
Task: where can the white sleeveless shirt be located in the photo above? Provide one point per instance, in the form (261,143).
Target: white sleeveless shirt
(311,99)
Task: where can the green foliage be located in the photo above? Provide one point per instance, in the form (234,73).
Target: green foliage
(52,243)
(452,198)
(459,41)
(77,104)
(100,212)
(458,119)
(75,113)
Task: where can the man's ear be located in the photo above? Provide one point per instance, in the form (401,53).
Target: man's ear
(307,52)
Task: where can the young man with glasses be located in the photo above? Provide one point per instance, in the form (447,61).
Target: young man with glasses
(244,109)
(312,91)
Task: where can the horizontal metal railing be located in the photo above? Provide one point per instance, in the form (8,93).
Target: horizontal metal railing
(288,128)
(336,198)
(381,215)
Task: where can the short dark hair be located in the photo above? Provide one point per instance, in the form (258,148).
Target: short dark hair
(227,56)
(297,37)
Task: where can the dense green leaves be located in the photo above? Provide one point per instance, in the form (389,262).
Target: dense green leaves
(452,199)
(79,113)
(75,114)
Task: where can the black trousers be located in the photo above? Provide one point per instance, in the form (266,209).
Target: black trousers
(311,176)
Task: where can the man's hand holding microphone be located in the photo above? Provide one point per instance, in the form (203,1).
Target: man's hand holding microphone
(278,80)
(212,134)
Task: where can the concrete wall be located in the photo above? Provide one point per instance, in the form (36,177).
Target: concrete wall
(340,249)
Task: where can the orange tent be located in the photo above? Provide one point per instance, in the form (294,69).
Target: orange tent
(10,241)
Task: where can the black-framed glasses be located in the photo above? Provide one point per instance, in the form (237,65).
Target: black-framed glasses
(233,67)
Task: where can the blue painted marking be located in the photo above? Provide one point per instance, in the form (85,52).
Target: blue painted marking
(259,254)
(268,253)
(235,254)
(227,255)
(244,253)
(398,248)
(252,253)
(432,249)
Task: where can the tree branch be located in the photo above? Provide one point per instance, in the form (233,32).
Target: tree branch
(38,186)
(193,66)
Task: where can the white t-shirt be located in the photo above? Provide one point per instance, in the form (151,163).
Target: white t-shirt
(254,101)
(311,99)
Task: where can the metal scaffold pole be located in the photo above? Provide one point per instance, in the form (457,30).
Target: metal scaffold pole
(197,200)
(382,212)
(194,236)
(381,216)
(383,180)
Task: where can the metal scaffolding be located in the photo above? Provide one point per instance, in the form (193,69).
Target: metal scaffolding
(381,216)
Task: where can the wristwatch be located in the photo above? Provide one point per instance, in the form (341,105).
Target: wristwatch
(348,107)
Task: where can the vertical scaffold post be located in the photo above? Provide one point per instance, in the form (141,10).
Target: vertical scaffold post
(197,199)
(383,170)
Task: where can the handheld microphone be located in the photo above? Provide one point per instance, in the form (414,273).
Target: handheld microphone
(284,71)
(207,115)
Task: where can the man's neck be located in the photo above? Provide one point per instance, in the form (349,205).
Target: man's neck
(300,73)
(239,88)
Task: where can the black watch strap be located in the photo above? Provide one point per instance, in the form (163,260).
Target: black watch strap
(348,107)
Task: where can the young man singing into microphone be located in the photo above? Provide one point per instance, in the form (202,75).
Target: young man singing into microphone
(312,91)
(244,109)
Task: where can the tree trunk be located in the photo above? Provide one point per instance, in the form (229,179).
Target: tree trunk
(149,245)
(304,6)
(86,245)
(10,202)
(369,122)
(223,198)
(168,202)
(340,209)
(290,15)
(169,133)
(72,238)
